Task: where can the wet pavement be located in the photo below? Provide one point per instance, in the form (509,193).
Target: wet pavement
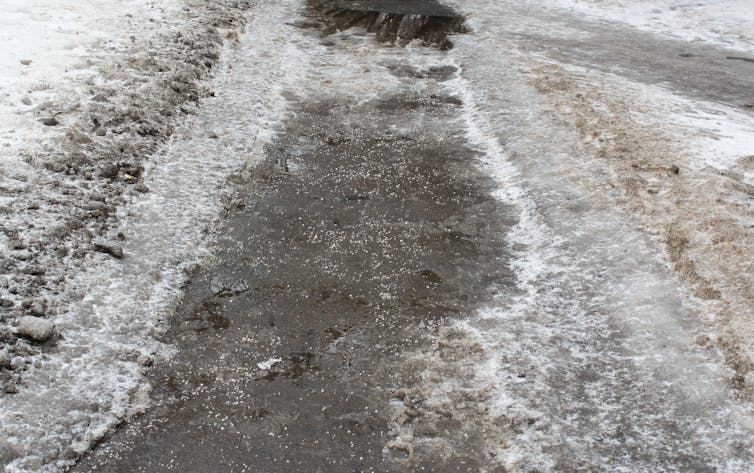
(366,227)
(326,332)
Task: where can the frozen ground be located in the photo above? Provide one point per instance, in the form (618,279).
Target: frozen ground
(625,343)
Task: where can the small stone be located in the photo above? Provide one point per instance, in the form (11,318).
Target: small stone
(52,121)
(100,98)
(10,388)
(212,135)
(141,188)
(38,308)
(26,62)
(26,101)
(5,359)
(113,250)
(7,303)
(56,167)
(35,328)
(674,169)
(100,131)
(33,270)
(431,276)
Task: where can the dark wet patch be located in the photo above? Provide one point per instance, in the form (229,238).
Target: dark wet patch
(393,21)
(417,102)
(208,315)
(218,322)
(343,268)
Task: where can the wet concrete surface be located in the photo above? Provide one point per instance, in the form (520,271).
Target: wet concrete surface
(366,227)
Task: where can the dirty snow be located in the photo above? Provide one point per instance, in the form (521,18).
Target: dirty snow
(599,362)
(50,49)
(94,378)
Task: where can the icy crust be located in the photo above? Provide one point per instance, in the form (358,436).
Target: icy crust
(727,23)
(684,168)
(72,392)
(599,360)
(682,165)
(62,186)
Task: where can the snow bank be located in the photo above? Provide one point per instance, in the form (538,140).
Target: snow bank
(136,72)
(51,49)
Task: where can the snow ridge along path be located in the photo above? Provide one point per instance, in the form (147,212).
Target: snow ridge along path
(70,392)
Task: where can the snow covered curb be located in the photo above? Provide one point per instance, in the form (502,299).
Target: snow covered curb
(64,188)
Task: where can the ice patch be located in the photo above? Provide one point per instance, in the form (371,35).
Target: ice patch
(267,364)
(595,360)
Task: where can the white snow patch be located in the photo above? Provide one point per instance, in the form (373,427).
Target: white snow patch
(269,363)
(49,51)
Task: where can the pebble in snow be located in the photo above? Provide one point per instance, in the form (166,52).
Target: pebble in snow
(39,330)
(5,359)
(113,250)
